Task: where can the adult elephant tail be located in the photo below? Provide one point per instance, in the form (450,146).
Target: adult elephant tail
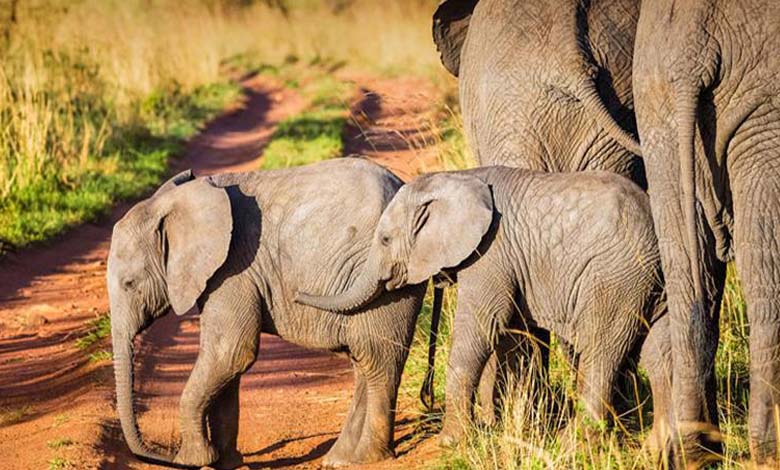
(595,107)
(687,98)
(427,394)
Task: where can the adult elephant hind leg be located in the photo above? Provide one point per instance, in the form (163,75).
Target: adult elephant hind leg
(757,242)
(342,451)
(693,322)
(227,350)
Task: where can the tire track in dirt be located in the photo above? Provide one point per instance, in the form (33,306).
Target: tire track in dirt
(293,401)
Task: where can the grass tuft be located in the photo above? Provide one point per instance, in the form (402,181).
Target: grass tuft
(60,443)
(60,463)
(99,328)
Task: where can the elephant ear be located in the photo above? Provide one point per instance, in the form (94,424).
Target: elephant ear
(447,225)
(450,25)
(196,229)
(176,180)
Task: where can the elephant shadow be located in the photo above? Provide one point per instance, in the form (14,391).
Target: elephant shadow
(285,462)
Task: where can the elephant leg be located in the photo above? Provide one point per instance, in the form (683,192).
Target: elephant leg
(596,381)
(656,360)
(488,391)
(472,345)
(223,426)
(693,323)
(342,451)
(376,440)
(756,236)
(517,355)
(225,354)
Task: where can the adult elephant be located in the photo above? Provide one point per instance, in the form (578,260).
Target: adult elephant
(708,110)
(544,85)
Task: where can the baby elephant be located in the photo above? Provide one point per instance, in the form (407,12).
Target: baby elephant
(571,253)
(238,246)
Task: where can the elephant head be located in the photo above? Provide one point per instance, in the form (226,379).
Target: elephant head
(450,25)
(163,252)
(433,223)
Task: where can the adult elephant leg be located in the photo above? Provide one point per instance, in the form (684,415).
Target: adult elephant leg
(693,322)
(757,237)
(228,349)
(341,452)
(223,426)
(694,335)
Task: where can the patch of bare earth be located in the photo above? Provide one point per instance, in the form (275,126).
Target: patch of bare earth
(55,403)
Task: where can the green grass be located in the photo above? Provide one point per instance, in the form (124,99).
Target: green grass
(60,443)
(133,160)
(101,356)
(306,138)
(99,328)
(60,463)
(61,419)
(316,133)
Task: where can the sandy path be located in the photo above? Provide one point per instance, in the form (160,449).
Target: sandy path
(54,403)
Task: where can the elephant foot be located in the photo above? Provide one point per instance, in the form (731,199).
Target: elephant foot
(339,460)
(228,460)
(655,442)
(696,445)
(764,454)
(450,435)
(581,431)
(196,455)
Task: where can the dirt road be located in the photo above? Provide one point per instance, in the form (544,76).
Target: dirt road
(56,406)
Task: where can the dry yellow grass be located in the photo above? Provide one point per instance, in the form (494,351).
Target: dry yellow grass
(76,74)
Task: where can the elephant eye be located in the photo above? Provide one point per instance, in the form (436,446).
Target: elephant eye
(385,240)
(128,283)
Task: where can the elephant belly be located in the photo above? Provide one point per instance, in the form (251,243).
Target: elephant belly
(312,329)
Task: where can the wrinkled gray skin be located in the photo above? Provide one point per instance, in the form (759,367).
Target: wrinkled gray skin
(706,87)
(239,246)
(544,85)
(572,253)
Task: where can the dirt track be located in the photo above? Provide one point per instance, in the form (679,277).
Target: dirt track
(55,404)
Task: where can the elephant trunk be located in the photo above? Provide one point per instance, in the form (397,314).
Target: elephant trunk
(122,339)
(365,289)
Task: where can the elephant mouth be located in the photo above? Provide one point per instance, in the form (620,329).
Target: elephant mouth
(397,277)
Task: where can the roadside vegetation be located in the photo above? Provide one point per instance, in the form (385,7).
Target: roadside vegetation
(315,134)
(96,95)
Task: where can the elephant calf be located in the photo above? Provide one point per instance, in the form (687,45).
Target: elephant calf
(239,246)
(572,253)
